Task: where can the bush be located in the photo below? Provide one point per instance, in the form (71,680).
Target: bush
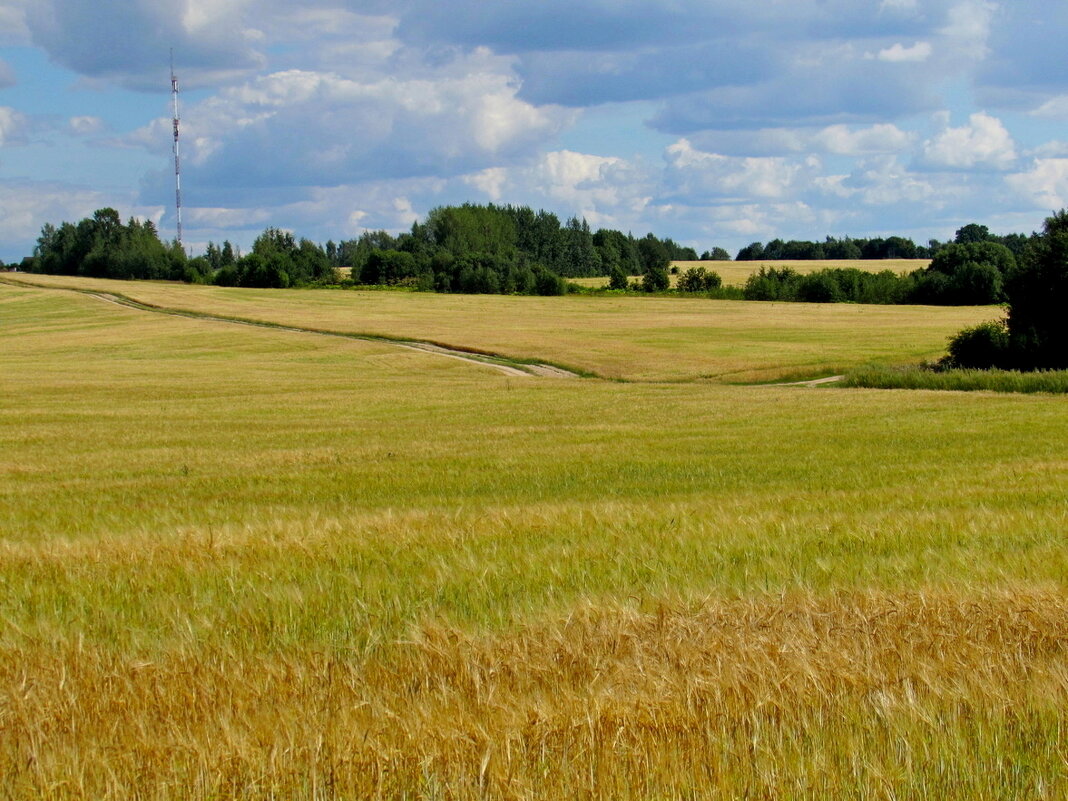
(655,279)
(698,279)
(980,347)
(617,278)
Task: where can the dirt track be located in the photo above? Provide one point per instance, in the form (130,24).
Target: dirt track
(499,363)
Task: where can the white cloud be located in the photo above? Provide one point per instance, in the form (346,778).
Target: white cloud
(884,181)
(490,182)
(13,125)
(1054,149)
(1045,185)
(1056,108)
(967,28)
(607,191)
(984,142)
(13,29)
(221,218)
(25,206)
(310,128)
(921,51)
(846,141)
(696,171)
(86,126)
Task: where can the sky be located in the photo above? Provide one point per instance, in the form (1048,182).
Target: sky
(714,122)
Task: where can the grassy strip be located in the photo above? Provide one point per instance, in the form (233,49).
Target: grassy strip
(1051,381)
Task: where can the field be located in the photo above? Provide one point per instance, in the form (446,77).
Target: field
(247,562)
(735,273)
(628,338)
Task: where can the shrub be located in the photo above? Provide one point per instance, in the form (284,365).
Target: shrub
(698,279)
(655,279)
(617,278)
(980,347)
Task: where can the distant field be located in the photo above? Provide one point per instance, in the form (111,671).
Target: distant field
(735,273)
(634,338)
(243,562)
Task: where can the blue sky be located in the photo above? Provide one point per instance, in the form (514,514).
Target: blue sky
(715,122)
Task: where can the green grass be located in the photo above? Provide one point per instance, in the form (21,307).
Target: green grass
(1046,381)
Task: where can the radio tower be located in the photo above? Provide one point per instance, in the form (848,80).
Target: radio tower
(177,158)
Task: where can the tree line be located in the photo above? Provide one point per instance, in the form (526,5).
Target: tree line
(468,248)
(893,247)
(961,274)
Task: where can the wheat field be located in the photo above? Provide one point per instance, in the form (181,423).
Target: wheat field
(623,338)
(249,563)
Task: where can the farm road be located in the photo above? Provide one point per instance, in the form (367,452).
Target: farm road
(501,364)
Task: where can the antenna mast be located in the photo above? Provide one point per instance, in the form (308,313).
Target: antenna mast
(177,159)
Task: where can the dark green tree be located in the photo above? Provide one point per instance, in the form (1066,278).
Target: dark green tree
(1036,291)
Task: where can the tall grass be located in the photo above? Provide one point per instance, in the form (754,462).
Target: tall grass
(852,696)
(248,563)
(1049,381)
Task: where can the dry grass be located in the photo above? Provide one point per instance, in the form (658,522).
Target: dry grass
(633,338)
(908,696)
(735,273)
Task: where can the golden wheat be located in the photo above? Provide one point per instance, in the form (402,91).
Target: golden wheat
(853,695)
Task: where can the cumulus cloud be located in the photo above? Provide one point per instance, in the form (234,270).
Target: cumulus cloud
(698,173)
(885,181)
(126,41)
(300,127)
(1045,185)
(26,205)
(785,118)
(983,143)
(968,28)
(844,140)
(1056,108)
(607,191)
(86,125)
(13,125)
(7,75)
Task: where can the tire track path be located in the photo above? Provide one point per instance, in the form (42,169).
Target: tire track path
(501,364)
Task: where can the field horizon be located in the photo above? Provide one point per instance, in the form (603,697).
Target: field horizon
(619,338)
